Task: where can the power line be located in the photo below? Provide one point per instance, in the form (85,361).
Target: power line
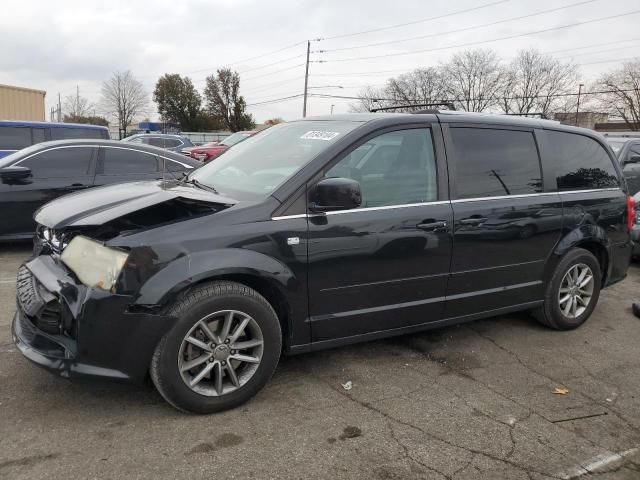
(535,32)
(266,86)
(272,63)
(458,30)
(276,100)
(610,61)
(517,97)
(266,54)
(347,97)
(275,71)
(398,25)
(376,73)
(596,52)
(594,45)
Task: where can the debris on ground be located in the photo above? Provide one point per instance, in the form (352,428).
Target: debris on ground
(636,309)
(560,391)
(348,385)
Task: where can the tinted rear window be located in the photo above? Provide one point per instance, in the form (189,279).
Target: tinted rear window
(164,142)
(65,133)
(580,162)
(492,162)
(14,138)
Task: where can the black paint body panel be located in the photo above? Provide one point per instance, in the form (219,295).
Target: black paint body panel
(349,276)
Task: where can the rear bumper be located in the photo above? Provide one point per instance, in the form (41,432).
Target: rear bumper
(95,335)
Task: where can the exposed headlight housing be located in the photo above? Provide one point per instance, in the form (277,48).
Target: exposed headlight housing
(95,265)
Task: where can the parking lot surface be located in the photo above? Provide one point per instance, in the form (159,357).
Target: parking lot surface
(465,402)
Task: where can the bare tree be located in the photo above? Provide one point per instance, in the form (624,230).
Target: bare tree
(77,106)
(622,97)
(124,99)
(423,85)
(535,83)
(474,80)
(369,98)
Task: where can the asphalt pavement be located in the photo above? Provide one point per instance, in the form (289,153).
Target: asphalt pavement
(468,402)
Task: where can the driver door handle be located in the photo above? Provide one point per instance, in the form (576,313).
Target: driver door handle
(431,226)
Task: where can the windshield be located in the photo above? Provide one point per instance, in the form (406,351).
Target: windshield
(616,145)
(253,169)
(234,138)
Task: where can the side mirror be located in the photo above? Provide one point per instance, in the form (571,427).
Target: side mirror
(14,172)
(633,159)
(331,194)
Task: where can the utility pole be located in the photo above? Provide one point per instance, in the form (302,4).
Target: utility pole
(306,80)
(59,108)
(77,100)
(578,105)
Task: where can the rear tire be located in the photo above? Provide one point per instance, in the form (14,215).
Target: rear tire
(223,348)
(573,291)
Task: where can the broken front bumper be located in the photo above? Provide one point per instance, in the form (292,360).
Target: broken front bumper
(76,331)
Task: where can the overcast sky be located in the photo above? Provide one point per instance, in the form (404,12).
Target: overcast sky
(55,46)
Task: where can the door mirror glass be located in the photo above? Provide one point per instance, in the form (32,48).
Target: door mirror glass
(336,193)
(14,172)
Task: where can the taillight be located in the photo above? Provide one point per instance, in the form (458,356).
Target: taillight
(631,212)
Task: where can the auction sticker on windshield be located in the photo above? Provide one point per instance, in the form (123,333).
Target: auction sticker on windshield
(319,135)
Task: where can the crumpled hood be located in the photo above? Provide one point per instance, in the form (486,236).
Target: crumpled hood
(100,205)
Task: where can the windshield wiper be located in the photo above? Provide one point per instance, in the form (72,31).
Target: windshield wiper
(199,184)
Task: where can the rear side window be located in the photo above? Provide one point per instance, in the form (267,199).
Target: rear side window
(65,133)
(119,161)
(164,142)
(492,162)
(580,162)
(60,163)
(14,138)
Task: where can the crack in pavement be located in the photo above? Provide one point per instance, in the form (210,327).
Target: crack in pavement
(617,414)
(408,455)
(391,418)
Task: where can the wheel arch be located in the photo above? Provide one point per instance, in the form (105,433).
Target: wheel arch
(591,238)
(269,277)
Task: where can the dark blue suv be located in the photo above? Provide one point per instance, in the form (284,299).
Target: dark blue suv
(16,135)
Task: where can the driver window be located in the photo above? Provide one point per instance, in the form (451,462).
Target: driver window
(394,168)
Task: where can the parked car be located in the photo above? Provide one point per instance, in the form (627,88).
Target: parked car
(291,243)
(208,152)
(35,175)
(175,143)
(627,150)
(16,135)
(187,150)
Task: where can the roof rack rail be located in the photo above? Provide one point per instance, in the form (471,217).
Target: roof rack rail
(540,115)
(449,105)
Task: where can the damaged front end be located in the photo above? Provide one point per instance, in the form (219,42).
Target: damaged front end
(69,318)
(75,331)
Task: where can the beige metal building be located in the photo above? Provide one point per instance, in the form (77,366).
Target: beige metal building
(19,103)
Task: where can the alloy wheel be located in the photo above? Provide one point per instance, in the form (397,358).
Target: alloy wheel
(220,353)
(576,290)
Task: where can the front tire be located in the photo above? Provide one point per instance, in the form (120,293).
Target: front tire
(573,292)
(223,348)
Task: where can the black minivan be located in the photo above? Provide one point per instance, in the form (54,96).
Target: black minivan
(318,233)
